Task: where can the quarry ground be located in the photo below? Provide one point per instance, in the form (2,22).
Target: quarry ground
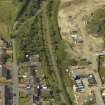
(73,15)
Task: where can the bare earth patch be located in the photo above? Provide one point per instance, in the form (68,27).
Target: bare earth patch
(73,16)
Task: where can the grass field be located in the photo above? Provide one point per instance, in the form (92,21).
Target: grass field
(8,10)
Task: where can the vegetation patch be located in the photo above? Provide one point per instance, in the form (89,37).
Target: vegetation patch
(96,23)
(23,100)
(101,68)
(8,10)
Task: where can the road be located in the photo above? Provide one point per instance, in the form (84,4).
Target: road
(15,77)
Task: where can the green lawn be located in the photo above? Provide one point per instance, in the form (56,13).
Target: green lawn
(8,10)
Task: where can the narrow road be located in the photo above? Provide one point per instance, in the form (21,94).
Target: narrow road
(15,77)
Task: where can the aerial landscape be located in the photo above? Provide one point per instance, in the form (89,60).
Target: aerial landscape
(52,52)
